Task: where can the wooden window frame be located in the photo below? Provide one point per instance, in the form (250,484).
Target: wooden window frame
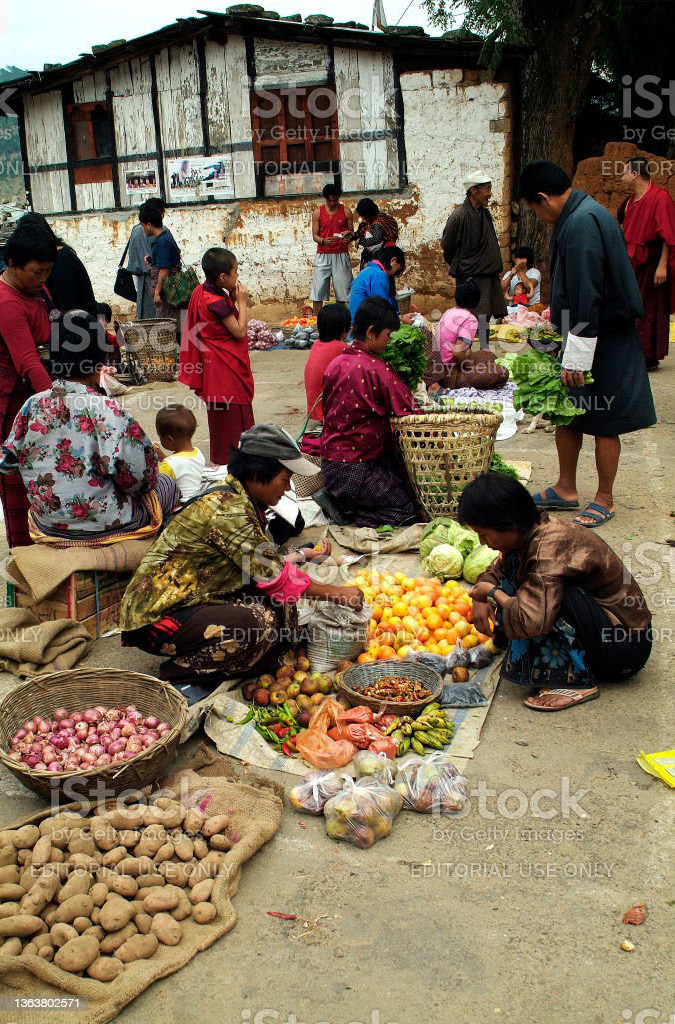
(93,169)
(309,165)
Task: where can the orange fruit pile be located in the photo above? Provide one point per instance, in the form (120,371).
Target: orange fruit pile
(299,321)
(416,615)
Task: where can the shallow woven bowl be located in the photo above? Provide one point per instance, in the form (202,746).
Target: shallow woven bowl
(85,688)
(356,679)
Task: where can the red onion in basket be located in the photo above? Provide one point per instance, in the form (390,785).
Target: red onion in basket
(60,714)
(103,760)
(76,717)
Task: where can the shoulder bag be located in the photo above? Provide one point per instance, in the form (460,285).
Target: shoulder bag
(125,286)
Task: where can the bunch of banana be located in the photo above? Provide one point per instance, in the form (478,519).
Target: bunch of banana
(433,729)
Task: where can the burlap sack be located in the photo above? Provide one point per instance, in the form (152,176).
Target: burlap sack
(39,570)
(255,815)
(369,541)
(29,647)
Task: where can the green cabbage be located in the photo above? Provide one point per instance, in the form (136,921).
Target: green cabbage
(477,562)
(445,561)
(446,531)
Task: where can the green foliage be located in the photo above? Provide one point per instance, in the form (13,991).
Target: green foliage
(539,388)
(405,354)
(497,465)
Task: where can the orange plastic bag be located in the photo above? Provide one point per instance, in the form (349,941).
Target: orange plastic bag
(316,746)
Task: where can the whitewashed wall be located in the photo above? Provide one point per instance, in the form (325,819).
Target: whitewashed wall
(272,238)
(451,128)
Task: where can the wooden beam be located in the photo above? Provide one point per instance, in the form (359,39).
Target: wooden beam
(113,153)
(69,147)
(158,129)
(400,132)
(203,94)
(24,151)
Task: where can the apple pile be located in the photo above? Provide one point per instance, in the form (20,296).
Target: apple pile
(296,685)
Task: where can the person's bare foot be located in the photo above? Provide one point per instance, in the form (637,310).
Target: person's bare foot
(561,698)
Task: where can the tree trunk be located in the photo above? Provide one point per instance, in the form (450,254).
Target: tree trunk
(554,81)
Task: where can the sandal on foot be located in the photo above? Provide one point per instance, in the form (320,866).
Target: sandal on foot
(551,499)
(575,697)
(598,513)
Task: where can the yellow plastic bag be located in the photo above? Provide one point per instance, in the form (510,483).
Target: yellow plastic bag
(660,765)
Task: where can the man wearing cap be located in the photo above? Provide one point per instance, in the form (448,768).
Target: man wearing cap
(471,250)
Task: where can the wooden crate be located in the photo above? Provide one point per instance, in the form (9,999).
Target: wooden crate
(92,598)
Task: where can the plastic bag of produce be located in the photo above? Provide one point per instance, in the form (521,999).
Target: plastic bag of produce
(336,633)
(369,764)
(313,793)
(363,812)
(430,785)
(317,747)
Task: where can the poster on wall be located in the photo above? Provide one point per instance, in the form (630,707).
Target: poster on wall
(141,181)
(197,177)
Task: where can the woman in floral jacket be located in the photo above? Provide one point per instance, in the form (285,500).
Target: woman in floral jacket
(89,469)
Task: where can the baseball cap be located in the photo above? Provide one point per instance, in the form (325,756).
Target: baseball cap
(272,442)
(476,178)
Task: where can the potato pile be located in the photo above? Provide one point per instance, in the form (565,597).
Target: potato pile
(94,894)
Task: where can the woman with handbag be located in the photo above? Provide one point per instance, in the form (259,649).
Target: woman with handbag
(164,261)
(24,325)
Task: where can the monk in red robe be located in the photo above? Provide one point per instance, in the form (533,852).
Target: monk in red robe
(648,220)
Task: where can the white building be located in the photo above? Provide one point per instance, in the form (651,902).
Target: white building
(239,121)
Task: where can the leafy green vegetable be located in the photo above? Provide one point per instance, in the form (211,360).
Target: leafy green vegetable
(446,531)
(540,390)
(405,354)
(497,465)
(477,562)
(445,560)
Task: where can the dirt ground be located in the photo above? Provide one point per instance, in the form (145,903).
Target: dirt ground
(511,913)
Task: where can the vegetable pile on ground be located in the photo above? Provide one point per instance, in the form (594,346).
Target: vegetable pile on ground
(498,465)
(540,390)
(405,354)
(449,550)
(299,321)
(260,335)
(95,894)
(431,729)
(302,337)
(81,740)
(416,615)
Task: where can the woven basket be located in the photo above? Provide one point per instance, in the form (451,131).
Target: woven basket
(85,688)
(305,486)
(443,452)
(151,347)
(356,679)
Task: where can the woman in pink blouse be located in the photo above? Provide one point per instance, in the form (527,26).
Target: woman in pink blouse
(360,393)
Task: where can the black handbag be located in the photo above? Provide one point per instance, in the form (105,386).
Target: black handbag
(125,286)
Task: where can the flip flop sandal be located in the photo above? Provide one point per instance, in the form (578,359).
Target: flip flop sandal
(598,513)
(576,697)
(551,499)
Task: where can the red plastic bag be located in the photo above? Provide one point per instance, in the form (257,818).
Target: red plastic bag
(357,714)
(317,747)
(384,745)
(359,733)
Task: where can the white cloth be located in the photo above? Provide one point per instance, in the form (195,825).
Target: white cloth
(579,352)
(534,276)
(187,469)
